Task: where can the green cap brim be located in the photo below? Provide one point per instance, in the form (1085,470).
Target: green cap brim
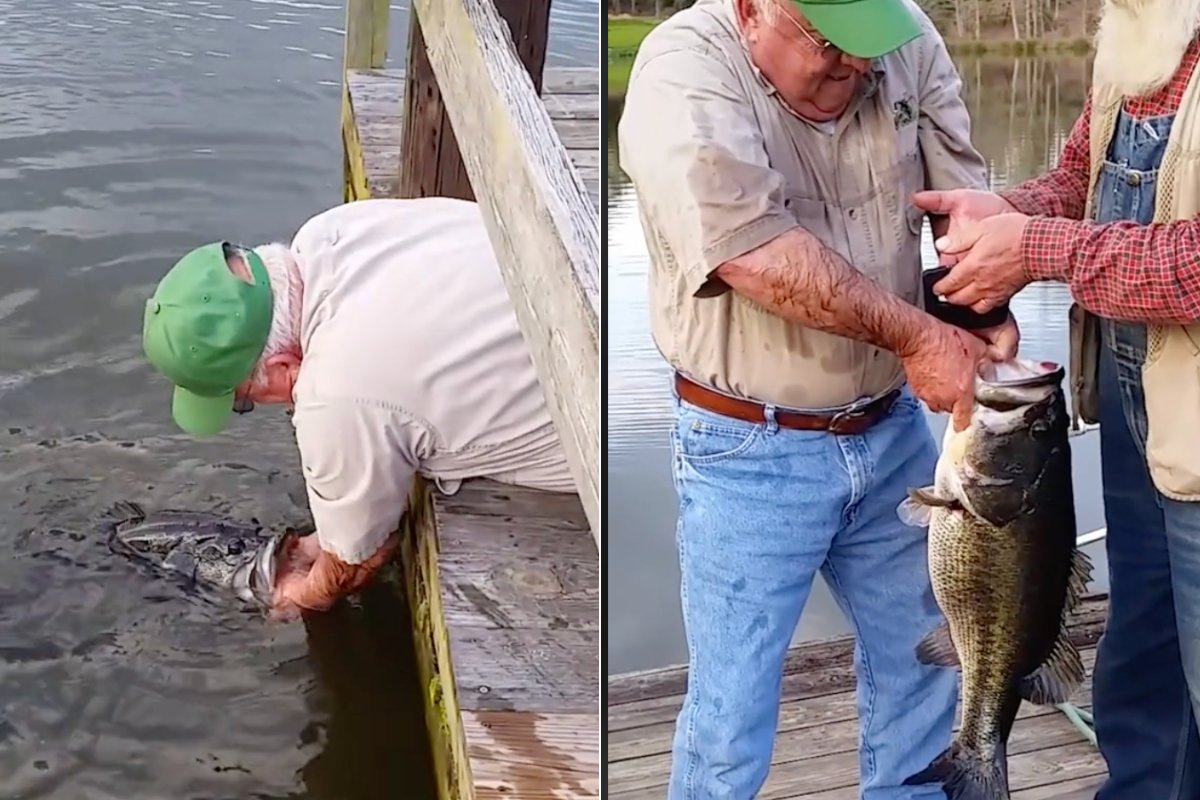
(862,28)
(202,416)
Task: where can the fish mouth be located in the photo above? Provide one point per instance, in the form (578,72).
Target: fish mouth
(1019,373)
(1017,383)
(254,580)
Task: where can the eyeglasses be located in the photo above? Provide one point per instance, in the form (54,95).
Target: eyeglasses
(823,45)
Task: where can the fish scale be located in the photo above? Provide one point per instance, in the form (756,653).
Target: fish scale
(1004,567)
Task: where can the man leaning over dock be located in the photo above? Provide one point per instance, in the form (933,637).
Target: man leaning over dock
(1116,220)
(774,147)
(387,328)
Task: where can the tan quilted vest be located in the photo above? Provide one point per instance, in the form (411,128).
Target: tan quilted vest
(1171,372)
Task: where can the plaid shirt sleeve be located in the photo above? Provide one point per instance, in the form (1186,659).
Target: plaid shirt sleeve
(1121,270)
(1060,192)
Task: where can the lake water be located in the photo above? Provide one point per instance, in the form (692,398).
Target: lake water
(129,133)
(1022,112)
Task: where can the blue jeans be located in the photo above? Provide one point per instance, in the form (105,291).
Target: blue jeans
(761,509)
(1144,720)
(1148,656)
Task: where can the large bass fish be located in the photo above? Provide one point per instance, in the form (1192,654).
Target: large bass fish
(1004,566)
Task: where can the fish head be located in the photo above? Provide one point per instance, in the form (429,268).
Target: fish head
(1019,420)
(254,579)
(215,553)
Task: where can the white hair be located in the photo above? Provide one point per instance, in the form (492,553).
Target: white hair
(286,290)
(767,9)
(1141,43)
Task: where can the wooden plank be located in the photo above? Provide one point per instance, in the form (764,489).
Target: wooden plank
(430,161)
(1072,789)
(565,752)
(547,582)
(504,584)
(571,94)
(816,747)
(545,229)
(833,747)
(366,34)
(355,179)
(418,557)
(1061,768)
(806,728)
(1049,766)
(816,668)
(365,46)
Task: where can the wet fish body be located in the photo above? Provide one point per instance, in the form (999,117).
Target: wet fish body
(224,556)
(1004,567)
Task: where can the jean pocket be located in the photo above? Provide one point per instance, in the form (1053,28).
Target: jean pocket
(706,441)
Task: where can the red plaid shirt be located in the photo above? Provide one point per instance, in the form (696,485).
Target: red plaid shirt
(1119,270)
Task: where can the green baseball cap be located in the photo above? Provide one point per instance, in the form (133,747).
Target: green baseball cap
(862,28)
(205,329)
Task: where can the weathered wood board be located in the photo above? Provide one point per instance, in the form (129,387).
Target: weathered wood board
(504,583)
(816,746)
(376,98)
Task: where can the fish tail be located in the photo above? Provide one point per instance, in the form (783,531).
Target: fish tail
(965,774)
(126,511)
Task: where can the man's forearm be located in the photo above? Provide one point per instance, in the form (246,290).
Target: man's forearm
(1121,270)
(798,278)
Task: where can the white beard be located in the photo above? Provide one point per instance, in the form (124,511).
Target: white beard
(1140,43)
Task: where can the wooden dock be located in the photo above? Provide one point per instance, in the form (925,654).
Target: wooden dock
(504,587)
(503,582)
(376,99)
(816,747)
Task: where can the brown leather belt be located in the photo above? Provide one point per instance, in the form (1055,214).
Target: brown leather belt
(850,422)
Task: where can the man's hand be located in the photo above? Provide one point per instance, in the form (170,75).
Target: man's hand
(960,207)
(941,367)
(311,579)
(1002,340)
(990,268)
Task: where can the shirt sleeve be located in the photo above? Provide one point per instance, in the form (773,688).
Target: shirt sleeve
(692,148)
(1121,270)
(359,461)
(944,126)
(1062,191)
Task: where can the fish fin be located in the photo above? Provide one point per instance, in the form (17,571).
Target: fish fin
(911,513)
(127,509)
(915,510)
(1058,676)
(965,774)
(938,648)
(1081,576)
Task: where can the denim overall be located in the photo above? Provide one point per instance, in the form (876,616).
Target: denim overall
(1144,716)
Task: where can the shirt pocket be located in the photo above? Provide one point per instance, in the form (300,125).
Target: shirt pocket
(812,215)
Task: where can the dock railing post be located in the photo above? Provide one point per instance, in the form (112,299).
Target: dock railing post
(542,223)
(366,35)
(366,44)
(430,161)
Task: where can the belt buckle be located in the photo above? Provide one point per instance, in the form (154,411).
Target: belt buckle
(838,425)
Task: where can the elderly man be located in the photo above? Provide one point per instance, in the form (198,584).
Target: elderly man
(1117,221)
(774,147)
(387,328)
